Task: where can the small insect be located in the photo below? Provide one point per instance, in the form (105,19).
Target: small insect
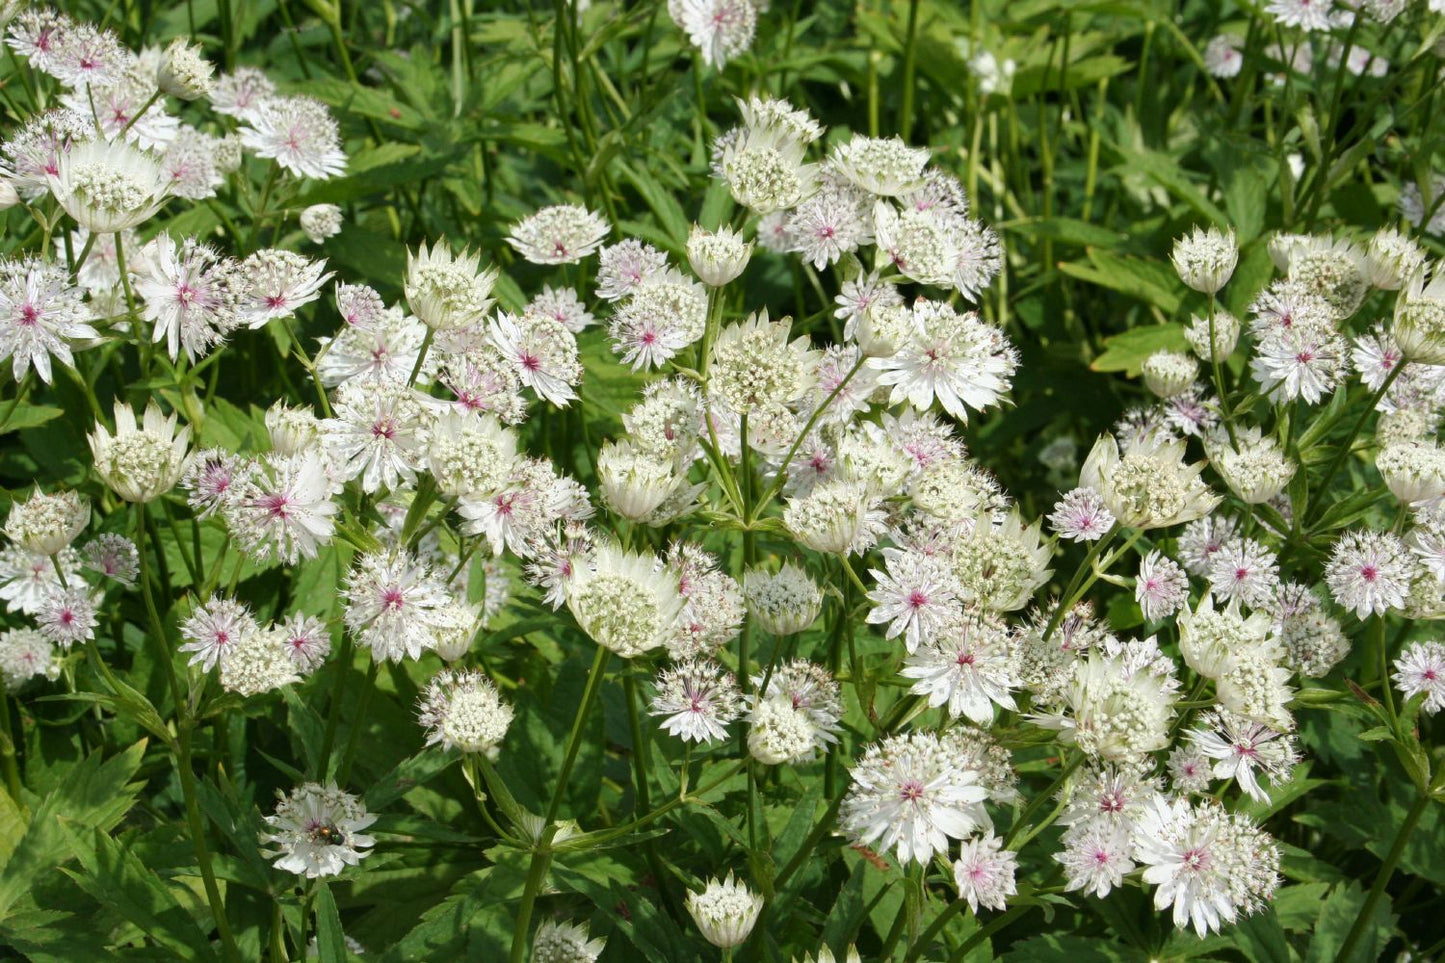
(327,835)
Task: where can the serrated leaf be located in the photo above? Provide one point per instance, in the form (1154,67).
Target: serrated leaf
(1126,352)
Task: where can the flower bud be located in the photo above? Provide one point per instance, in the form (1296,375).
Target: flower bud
(321,221)
(183,72)
(1169,373)
(717,257)
(725,911)
(1206,259)
(783,603)
(47,523)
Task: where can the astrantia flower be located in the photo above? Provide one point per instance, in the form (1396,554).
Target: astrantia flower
(835,221)
(1147,489)
(556,942)
(258,662)
(140,463)
(1244,570)
(886,167)
(1081,516)
(764,168)
(521,514)
(1305,14)
(1302,361)
(717,257)
(1203,537)
(725,911)
(909,795)
(1369,572)
(543,351)
(956,358)
(1119,703)
(1189,770)
(1096,857)
(984,872)
(284,508)
(1421,669)
(756,367)
(318,830)
(306,640)
(297,132)
(1242,746)
(382,351)
(214,630)
(621,267)
(24,655)
(68,616)
(1392,258)
(562,234)
(968,667)
(664,314)
(1161,587)
(395,605)
(915,597)
(1169,373)
(634,483)
(113,556)
(241,93)
(779,733)
(1414,472)
(28,579)
(1205,259)
(563,306)
(184,72)
(446,290)
(1222,57)
(1207,864)
(274,283)
(188,294)
(470,453)
(46,523)
(626,602)
(810,689)
(697,700)
(1335,270)
(837,517)
(1225,335)
(40,313)
(461,709)
(320,221)
(108,186)
(379,434)
(1001,562)
(783,603)
(720,29)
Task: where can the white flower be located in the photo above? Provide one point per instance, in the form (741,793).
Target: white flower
(1207,864)
(561,234)
(240,93)
(215,629)
(698,700)
(956,358)
(543,351)
(189,295)
(1240,746)
(47,523)
(68,616)
(113,556)
(41,313)
(108,186)
(284,507)
(917,596)
(306,641)
(273,283)
(556,942)
(1222,57)
(1081,516)
(1161,586)
(320,221)
(1205,259)
(664,313)
(1305,14)
(396,606)
(783,603)
(258,662)
(1096,856)
(621,267)
(1369,572)
(811,690)
(1244,570)
(461,708)
(1421,669)
(984,872)
(779,732)
(297,132)
(725,911)
(720,29)
(184,73)
(25,654)
(625,601)
(886,167)
(379,434)
(1169,374)
(1414,472)
(717,257)
(836,517)
(910,795)
(140,463)
(446,290)
(28,580)
(968,667)
(1147,488)
(318,830)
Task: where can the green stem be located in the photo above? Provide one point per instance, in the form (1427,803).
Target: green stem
(1382,878)
(1063,603)
(1344,450)
(574,739)
(905,114)
(7,749)
(421,355)
(185,725)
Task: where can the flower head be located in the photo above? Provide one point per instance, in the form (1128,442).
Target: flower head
(317,830)
(461,708)
(140,463)
(725,911)
(562,234)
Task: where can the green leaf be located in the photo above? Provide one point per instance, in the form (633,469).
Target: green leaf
(329,940)
(95,794)
(29,416)
(1149,281)
(1162,169)
(1344,904)
(117,879)
(1126,352)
